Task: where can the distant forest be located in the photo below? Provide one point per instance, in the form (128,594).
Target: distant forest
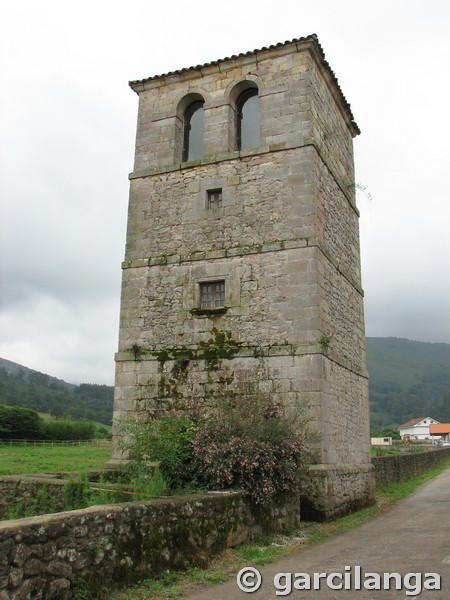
(408,379)
(31,389)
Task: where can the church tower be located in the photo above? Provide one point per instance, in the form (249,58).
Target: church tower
(242,265)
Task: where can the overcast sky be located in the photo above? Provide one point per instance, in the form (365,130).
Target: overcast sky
(68,117)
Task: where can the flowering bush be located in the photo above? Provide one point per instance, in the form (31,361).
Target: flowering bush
(248,445)
(251,446)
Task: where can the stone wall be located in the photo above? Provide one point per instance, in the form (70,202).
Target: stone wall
(101,548)
(400,467)
(332,490)
(33,491)
(39,494)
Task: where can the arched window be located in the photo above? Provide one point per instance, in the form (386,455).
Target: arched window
(194,131)
(247,134)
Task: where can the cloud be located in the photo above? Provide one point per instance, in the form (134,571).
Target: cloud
(65,340)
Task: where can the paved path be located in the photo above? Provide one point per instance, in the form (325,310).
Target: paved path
(412,537)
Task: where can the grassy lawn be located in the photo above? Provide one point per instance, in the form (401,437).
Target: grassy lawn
(16,459)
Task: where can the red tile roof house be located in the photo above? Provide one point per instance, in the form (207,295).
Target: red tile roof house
(417,429)
(440,431)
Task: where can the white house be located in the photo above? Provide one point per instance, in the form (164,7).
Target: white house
(417,429)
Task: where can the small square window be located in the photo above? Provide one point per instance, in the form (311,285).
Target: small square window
(214,199)
(212,294)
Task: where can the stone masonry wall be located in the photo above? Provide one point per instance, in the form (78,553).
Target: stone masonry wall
(346,435)
(331,131)
(34,491)
(253,212)
(401,467)
(337,224)
(330,491)
(270,298)
(101,548)
(291,379)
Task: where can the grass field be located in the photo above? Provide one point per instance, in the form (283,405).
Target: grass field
(16,459)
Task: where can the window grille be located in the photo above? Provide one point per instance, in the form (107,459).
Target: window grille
(212,294)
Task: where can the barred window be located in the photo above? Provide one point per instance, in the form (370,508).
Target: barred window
(212,294)
(214,199)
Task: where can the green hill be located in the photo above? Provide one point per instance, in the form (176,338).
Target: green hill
(30,375)
(407,379)
(21,386)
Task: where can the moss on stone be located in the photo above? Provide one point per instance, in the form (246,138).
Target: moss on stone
(221,345)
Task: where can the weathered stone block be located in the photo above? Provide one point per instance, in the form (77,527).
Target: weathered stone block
(58,588)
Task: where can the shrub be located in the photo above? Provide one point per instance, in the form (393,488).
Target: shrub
(20,423)
(149,485)
(166,441)
(252,446)
(40,502)
(248,445)
(76,492)
(68,430)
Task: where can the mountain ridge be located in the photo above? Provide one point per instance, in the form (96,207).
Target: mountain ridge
(14,368)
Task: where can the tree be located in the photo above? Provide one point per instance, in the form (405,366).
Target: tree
(19,423)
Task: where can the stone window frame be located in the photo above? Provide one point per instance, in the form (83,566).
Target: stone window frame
(206,273)
(232,97)
(242,100)
(200,198)
(197,310)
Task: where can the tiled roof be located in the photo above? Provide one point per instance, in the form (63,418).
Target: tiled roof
(310,38)
(440,428)
(412,422)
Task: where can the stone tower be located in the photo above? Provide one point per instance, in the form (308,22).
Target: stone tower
(242,265)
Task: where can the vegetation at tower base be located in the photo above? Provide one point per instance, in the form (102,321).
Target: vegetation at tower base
(246,444)
(165,440)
